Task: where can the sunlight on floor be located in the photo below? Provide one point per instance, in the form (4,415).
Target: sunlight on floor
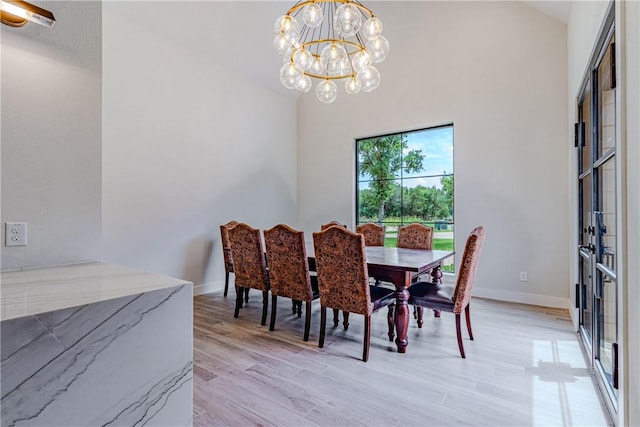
(561,384)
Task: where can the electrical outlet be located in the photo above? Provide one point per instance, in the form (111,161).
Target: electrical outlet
(15,234)
(523,276)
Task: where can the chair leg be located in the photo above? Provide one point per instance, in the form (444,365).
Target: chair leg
(265,306)
(466,315)
(226,283)
(367,338)
(307,320)
(293,306)
(323,325)
(238,301)
(246,295)
(345,322)
(390,321)
(240,292)
(459,334)
(420,316)
(335,317)
(299,304)
(274,305)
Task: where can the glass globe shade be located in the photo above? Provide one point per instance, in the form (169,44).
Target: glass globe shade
(378,49)
(326,91)
(369,79)
(302,59)
(352,86)
(304,83)
(286,25)
(371,29)
(341,67)
(289,75)
(312,15)
(361,60)
(316,66)
(347,20)
(331,55)
(281,43)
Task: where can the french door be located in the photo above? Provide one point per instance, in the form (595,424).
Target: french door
(597,290)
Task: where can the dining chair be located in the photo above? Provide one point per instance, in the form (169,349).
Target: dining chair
(456,298)
(415,236)
(226,253)
(373,236)
(331,224)
(228,259)
(344,282)
(373,233)
(289,271)
(249,265)
(345,315)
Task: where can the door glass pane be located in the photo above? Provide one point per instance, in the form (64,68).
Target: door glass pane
(607,101)
(607,197)
(607,323)
(586,150)
(605,180)
(586,206)
(586,296)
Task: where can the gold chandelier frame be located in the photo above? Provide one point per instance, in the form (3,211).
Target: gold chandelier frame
(343,42)
(303,4)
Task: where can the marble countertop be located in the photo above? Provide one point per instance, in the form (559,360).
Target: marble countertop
(39,290)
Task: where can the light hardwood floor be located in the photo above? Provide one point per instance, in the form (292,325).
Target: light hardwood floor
(524,368)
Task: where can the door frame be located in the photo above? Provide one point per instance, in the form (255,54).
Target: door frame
(608,29)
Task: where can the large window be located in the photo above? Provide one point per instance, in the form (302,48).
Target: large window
(408,177)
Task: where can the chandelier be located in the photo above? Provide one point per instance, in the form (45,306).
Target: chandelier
(339,40)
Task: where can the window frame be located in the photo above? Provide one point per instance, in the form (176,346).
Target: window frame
(401,179)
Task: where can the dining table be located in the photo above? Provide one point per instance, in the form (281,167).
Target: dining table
(399,266)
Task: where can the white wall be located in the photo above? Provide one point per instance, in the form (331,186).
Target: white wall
(630,19)
(187,145)
(51,129)
(631,368)
(497,70)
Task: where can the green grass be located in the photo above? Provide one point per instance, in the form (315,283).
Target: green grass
(407,221)
(438,244)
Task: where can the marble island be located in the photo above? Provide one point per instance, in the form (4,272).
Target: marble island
(95,344)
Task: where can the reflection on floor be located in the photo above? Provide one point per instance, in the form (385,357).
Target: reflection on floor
(524,368)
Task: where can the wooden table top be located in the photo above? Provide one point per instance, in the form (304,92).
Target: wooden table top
(398,258)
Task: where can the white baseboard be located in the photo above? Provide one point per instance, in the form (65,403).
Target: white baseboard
(510,296)
(522,298)
(207,288)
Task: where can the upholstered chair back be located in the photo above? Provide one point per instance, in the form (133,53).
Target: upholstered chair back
(248,257)
(467,269)
(415,236)
(226,246)
(287,261)
(331,224)
(373,233)
(342,270)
